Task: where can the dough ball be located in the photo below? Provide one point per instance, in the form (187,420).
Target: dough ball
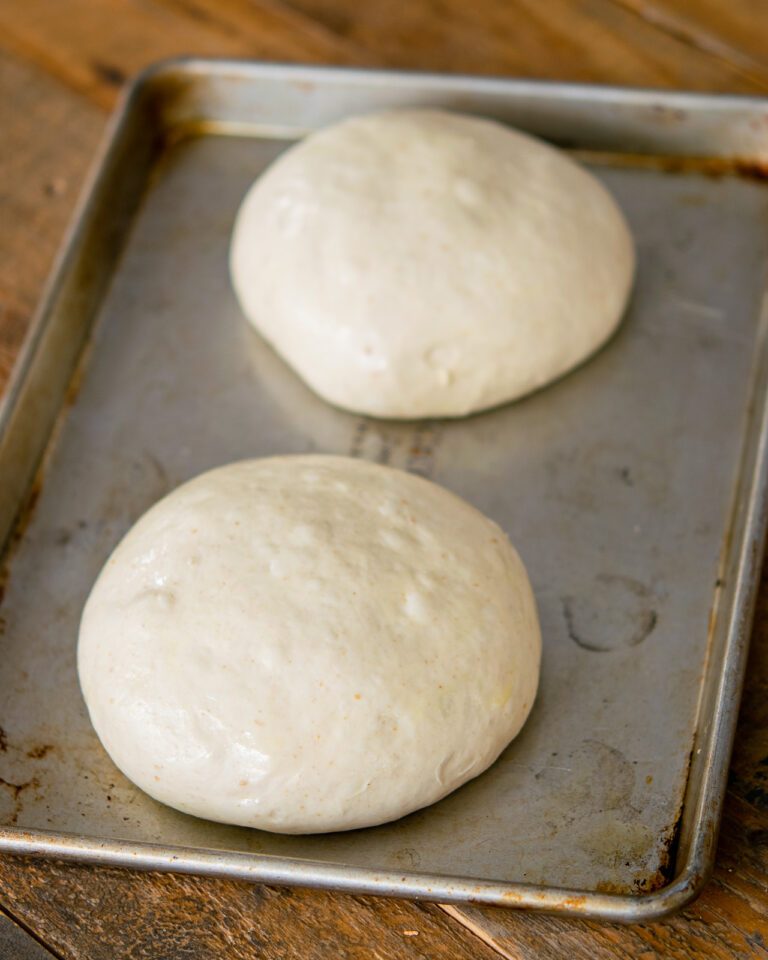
(418,263)
(309,643)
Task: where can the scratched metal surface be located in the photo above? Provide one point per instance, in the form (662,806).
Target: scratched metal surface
(616,484)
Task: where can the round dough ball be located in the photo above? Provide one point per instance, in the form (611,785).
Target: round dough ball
(417,263)
(308,643)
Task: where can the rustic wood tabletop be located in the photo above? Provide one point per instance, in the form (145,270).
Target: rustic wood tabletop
(62,64)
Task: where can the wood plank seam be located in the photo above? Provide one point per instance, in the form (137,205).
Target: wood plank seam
(474,928)
(4,911)
(696,38)
(308,26)
(16,46)
(96,67)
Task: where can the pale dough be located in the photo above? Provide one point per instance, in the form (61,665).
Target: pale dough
(419,263)
(309,643)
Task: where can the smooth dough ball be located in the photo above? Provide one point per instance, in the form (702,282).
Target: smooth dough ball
(309,643)
(418,263)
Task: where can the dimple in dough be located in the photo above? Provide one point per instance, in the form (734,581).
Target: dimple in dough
(420,263)
(309,643)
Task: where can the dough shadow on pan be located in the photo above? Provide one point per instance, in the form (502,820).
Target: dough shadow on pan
(325,428)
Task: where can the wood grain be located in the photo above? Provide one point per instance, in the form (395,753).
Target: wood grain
(733,31)
(17,944)
(749,765)
(600,41)
(80,43)
(40,178)
(61,66)
(84,913)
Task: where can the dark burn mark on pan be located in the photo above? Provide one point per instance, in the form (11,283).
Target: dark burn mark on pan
(747,168)
(19,528)
(15,790)
(569,625)
(645,624)
(37,752)
(372,441)
(358,438)
(645,882)
(408,857)
(670,842)
(424,444)
(617,612)
(408,447)
(583,640)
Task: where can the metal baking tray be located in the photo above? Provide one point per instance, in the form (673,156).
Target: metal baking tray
(634,489)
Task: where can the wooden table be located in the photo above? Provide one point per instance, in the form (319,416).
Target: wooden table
(62,63)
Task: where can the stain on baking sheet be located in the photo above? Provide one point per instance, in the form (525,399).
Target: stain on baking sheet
(14,792)
(669,843)
(19,528)
(408,446)
(620,612)
(644,883)
(423,447)
(716,168)
(597,793)
(615,844)
(595,775)
(408,857)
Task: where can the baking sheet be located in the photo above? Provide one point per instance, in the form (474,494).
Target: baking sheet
(631,488)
